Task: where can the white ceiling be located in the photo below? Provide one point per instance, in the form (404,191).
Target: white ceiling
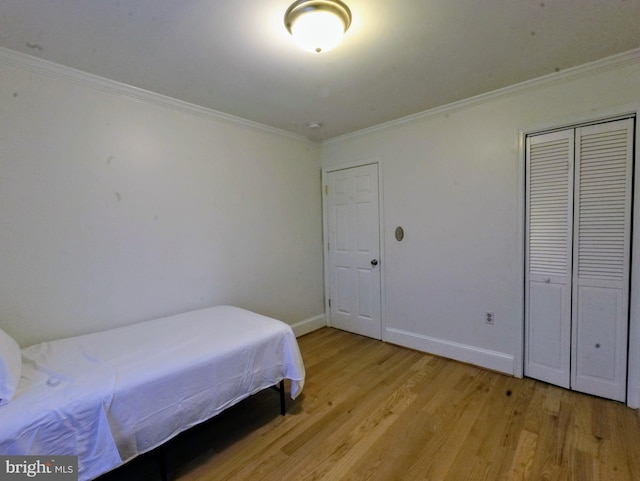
(398,58)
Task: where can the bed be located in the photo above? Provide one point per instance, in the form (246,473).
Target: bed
(109,396)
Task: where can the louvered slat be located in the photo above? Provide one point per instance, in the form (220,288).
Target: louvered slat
(548,214)
(602,186)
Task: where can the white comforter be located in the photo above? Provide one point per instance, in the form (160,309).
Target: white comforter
(110,396)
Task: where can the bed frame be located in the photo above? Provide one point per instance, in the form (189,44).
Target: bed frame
(108,397)
(162,458)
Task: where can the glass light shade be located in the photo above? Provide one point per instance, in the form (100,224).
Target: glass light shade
(318,31)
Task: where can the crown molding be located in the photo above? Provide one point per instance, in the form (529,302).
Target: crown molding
(54,70)
(585,70)
(62,72)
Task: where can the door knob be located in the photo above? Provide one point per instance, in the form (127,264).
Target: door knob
(374,262)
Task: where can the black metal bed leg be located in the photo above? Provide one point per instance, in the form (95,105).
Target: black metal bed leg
(280,388)
(283,406)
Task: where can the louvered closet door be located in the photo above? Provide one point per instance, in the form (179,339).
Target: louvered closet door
(602,258)
(548,271)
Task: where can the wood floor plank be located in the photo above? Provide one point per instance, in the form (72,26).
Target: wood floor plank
(378,412)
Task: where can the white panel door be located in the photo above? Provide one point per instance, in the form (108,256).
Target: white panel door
(602,240)
(354,250)
(548,257)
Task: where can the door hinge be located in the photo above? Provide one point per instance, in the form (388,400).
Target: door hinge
(329,303)
(326,190)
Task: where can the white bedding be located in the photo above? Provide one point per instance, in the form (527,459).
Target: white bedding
(110,396)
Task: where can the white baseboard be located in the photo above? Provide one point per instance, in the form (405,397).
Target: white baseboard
(309,325)
(494,360)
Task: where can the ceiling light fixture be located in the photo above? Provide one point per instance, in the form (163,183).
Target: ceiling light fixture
(317,25)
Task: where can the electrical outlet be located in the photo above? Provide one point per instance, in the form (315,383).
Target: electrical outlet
(489,317)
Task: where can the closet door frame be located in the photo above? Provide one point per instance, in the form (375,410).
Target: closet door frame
(604,115)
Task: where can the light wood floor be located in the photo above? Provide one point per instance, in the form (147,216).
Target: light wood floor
(375,411)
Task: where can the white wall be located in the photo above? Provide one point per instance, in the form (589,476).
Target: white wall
(453,178)
(118,206)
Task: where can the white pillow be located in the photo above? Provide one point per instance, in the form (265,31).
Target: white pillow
(10,367)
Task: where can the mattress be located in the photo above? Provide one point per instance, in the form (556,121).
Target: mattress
(110,396)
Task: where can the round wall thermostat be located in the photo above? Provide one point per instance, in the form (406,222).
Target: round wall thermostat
(399,233)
